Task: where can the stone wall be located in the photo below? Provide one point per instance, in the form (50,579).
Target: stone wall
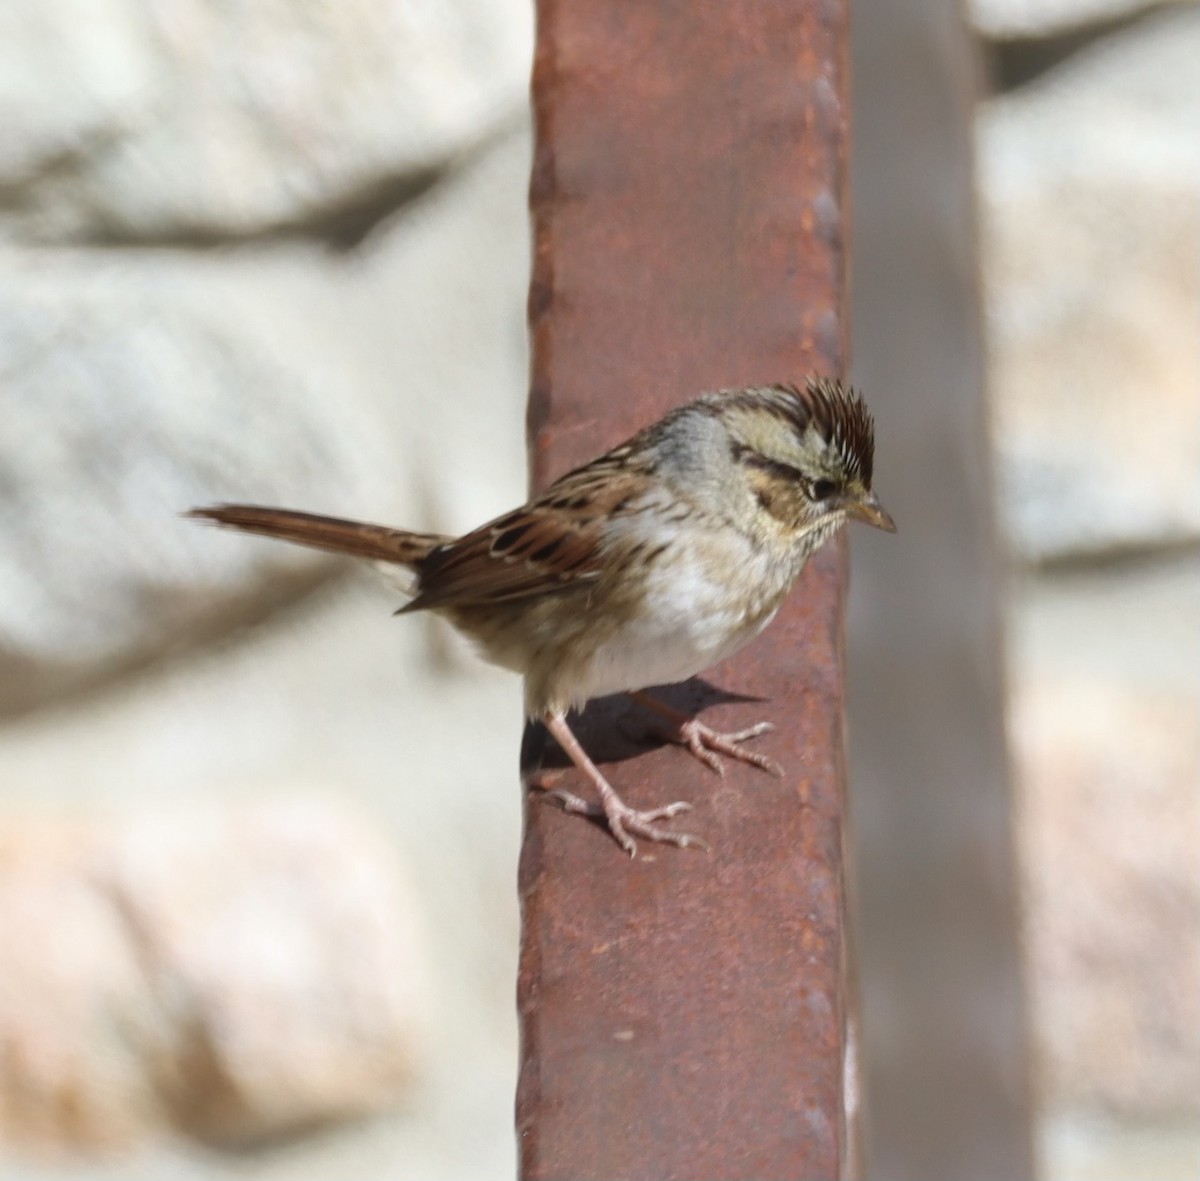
(1089,165)
(255,889)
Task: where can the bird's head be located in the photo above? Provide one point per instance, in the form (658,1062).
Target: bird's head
(806,455)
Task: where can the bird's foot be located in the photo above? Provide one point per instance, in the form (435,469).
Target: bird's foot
(706,743)
(625,822)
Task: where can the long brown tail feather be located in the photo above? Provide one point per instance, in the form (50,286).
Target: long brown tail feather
(374,542)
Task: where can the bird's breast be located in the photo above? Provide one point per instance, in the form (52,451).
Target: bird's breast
(699,603)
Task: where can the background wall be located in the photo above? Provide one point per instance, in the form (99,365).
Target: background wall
(257,913)
(1090,189)
(1083,247)
(257,904)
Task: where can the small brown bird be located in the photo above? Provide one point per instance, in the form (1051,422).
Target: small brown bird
(645,566)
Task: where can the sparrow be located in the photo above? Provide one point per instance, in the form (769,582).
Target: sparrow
(643,567)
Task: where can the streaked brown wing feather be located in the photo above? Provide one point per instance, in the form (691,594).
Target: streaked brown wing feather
(552,544)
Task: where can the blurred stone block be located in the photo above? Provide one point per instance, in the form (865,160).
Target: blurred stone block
(234,973)
(1111,819)
(71,71)
(75,1005)
(1107,743)
(1090,185)
(1028,19)
(132,393)
(138,384)
(191,119)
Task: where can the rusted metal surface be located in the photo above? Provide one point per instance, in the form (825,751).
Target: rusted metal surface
(683,1015)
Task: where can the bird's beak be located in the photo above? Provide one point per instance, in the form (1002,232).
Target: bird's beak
(869,509)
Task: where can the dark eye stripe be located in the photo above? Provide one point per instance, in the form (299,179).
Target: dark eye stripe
(783,471)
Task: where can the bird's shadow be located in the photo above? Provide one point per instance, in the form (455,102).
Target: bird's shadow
(615,728)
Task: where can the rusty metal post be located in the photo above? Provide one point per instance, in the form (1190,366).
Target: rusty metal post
(683,1015)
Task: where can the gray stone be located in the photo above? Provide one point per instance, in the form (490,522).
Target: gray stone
(132,393)
(1090,185)
(137,386)
(1013,19)
(193,119)
(72,72)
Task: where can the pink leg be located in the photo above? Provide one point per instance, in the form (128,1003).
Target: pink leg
(622,820)
(706,743)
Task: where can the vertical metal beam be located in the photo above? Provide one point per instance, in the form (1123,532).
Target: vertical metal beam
(683,1015)
(943,1003)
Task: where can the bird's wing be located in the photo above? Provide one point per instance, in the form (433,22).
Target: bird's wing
(561,540)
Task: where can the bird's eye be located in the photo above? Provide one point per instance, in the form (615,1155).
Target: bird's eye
(823,489)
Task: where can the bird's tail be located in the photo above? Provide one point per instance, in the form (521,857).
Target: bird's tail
(374,542)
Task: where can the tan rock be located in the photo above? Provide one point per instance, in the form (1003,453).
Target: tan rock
(1109,819)
(75,1005)
(234,973)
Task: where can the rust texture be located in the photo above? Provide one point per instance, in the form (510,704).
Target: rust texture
(683,1015)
